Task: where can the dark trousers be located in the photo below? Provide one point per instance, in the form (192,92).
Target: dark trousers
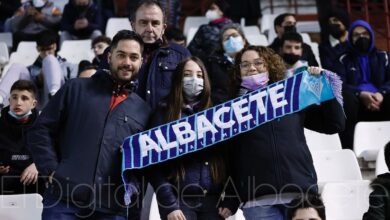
(60,210)
(355,111)
(200,208)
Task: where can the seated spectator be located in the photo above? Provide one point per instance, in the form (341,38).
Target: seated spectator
(33,18)
(99,44)
(292,50)
(380,197)
(81,20)
(175,35)
(49,72)
(7,10)
(206,38)
(336,44)
(220,64)
(284,23)
(309,207)
(365,72)
(17,170)
(86,69)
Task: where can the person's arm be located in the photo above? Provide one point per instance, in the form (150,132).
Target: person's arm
(328,117)
(67,23)
(53,19)
(309,55)
(385,87)
(325,57)
(95,22)
(43,136)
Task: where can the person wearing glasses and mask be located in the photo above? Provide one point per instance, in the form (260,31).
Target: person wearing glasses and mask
(365,72)
(272,164)
(220,63)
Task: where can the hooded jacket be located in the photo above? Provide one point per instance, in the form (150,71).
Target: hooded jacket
(371,68)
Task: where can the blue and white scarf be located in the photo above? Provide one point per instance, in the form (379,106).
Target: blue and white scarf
(226,120)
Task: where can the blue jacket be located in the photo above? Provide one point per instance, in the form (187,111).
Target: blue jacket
(349,67)
(79,138)
(274,157)
(72,13)
(329,55)
(197,180)
(155,76)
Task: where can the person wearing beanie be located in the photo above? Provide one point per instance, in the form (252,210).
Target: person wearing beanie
(365,72)
(336,43)
(206,39)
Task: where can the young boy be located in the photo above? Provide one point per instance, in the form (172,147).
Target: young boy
(18,173)
(307,207)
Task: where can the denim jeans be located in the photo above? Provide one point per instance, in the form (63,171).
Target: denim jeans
(275,212)
(60,210)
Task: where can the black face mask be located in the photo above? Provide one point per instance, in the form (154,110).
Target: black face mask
(290,58)
(335,30)
(362,44)
(290,29)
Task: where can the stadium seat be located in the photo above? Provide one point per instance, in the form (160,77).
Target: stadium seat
(335,166)
(116,24)
(381,167)
(23,58)
(7,38)
(61,4)
(28,47)
(76,50)
(346,200)
(154,213)
(369,138)
(191,34)
(21,207)
(251,30)
(194,21)
(257,39)
(306,38)
(319,142)
(4,55)
(238,216)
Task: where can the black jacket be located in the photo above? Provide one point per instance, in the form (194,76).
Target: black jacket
(13,150)
(220,73)
(79,138)
(379,199)
(274,157)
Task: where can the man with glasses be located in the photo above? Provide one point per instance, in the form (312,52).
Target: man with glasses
(49,71)
(365,72)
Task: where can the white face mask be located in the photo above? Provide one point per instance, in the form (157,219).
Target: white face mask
(38,3)
(212,15)
(192,87)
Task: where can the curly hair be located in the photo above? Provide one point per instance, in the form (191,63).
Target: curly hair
(273,62)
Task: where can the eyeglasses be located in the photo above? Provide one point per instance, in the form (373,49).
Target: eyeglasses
(247,65)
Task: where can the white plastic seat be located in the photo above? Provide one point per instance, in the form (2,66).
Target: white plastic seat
(154,213)
(335,166)
(4,55)
(251,30)
(116,24)
(21,207)
(346,200)
(193,21)
(258,39)
(319,142)
(369,137)
(61,4)
(7,38)
(306,38)
(28,47)
(381,166)
(23,58)
(76,50)
(191,34)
